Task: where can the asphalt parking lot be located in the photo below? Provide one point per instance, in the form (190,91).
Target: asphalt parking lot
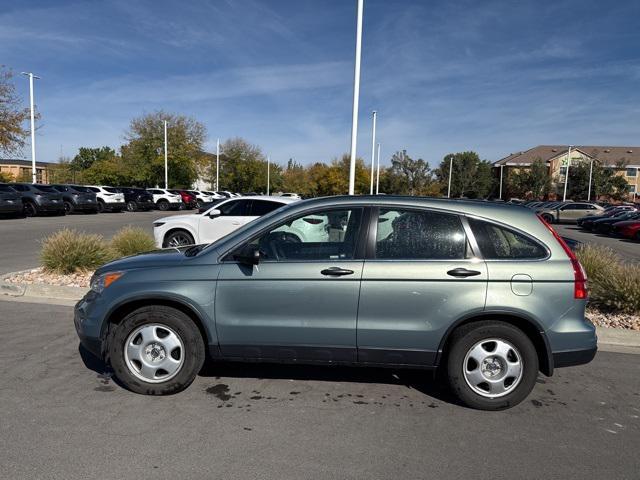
(627,249)
(20,237)
(65,418)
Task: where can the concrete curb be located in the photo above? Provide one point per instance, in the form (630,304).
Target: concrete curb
(618,337)
(40,291)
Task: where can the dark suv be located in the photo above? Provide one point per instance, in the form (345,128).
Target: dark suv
(77,198)
(10,201)
(39,199)
(137,199)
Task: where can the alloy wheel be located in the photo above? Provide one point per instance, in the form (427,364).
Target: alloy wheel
(179,239)
(493,368)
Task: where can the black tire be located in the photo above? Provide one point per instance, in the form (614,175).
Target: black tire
(101,207)
(179,237)
(193,355)
(68,207)
(162,205)
(30,209)
(548,218)
(465,338)
(132,206)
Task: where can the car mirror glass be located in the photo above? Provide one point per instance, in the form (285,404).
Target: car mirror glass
(248,255)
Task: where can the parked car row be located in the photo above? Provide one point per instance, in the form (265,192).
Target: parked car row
(564,212)
(35,199)
(619,221)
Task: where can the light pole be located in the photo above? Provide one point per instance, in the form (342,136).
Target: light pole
(450,170)
(501,168)
(356,99)
(33,126)
(166,164)
(590,174)
(373,149)
(217,162)
(378,173)
(268,162)
(566,175)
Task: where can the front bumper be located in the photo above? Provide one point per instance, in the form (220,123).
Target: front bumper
(88,314)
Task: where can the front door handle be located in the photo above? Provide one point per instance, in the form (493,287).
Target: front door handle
(463,273)
(336,272)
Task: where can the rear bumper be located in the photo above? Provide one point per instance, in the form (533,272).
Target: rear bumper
(11,207)
(114,206)
(572,358)
(86,206)
(50,207)
(145,205)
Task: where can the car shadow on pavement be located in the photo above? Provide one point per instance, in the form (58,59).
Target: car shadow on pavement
(423,381)
(426,382)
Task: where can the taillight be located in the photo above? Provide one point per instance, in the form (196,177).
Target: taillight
(580,290)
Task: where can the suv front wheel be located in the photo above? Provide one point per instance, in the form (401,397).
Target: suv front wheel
(156,350)
(491,365)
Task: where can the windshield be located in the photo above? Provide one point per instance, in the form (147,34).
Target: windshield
(6,188)
(112,190)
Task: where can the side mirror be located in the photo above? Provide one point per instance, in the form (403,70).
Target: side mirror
(248,255)
(215,213)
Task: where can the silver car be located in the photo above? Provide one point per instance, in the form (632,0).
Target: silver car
(569,212)
(487,293)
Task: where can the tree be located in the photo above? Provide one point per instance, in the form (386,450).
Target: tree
(12,117)
(533,182)
(407,176)
(471,177)
(296,179)
(86,157)
(143,154)
(6,177)
(244,168)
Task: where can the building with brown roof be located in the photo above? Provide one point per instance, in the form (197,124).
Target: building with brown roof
(624,160)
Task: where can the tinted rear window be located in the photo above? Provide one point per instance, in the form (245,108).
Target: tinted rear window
(45,188)
(7,189)
(498,242)
(112,190)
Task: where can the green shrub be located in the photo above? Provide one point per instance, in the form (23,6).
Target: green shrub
(132,240)
(613,283)
(68,251)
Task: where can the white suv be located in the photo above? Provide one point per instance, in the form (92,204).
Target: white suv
(165,200)
(218,221)
(110,199)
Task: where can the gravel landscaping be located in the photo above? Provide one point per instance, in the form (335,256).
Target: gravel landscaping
(37,276)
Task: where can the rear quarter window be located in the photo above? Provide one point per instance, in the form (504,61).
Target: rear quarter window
(501,243)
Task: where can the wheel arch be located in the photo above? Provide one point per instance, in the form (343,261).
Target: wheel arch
(121,310)
(528,325)
(179,228)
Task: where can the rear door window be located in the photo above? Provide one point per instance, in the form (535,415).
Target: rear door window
(501,243)
(420,235)
(236,208)
(262,207)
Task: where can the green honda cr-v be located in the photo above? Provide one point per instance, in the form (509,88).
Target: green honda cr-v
(487,292)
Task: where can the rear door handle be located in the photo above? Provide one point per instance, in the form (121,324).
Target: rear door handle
(336,272)
(462,273)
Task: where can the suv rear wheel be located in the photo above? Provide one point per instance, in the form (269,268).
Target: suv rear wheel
(156,350)
(132,206)
(68,207)
(491,365)
(30,210)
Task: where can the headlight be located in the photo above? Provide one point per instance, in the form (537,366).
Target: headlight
(157,224)
(100,282)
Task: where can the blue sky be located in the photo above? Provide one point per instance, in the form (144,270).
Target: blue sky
(489,76)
